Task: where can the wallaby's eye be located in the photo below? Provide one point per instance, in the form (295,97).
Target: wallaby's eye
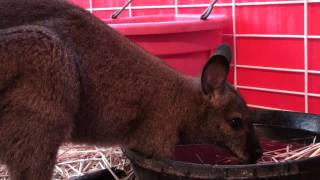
(236,123)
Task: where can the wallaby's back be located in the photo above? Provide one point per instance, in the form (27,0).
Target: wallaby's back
(109,64)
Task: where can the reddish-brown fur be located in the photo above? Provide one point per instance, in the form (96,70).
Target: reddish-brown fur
(66,76)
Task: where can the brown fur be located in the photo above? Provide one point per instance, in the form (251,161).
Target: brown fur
(66,76)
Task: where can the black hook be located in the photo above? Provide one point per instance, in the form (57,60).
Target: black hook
(208,11)
(118,12)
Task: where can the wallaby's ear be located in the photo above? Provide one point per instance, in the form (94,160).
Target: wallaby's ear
(216,70)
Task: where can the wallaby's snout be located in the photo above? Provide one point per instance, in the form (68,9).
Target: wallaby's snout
(241,140)
(254,149)
(256,154)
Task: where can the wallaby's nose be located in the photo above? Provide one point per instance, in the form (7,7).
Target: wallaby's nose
(256,154)
(259,152)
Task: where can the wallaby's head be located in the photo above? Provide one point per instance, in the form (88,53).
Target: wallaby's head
(224,117)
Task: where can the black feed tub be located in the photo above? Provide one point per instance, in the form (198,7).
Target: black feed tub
(277,125)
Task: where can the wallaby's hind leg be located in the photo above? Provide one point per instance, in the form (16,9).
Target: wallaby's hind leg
(39,95)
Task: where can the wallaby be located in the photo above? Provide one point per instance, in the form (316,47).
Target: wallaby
(66,76)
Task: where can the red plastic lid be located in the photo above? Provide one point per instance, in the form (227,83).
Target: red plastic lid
(165,24)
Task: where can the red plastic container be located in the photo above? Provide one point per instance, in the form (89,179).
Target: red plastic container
(182,41)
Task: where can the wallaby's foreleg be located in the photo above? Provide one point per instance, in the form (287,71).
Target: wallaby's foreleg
(31,144)
(39,96)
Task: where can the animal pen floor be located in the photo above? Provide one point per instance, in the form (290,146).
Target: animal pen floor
(77,160)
